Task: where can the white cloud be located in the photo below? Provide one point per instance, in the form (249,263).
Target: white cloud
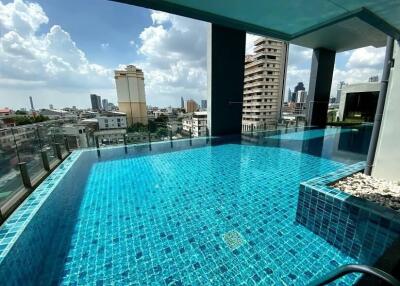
(298,70)
(250,38)
(360,65)
(105,46)
(50,60)
(21,16)
(174,51)
(351,66)
(368,57)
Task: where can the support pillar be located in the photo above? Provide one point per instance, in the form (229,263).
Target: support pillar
(225,70)
(323,62)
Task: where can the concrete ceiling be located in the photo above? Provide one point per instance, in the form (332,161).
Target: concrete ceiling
(338,25)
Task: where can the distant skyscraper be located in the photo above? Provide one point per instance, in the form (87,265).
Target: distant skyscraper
(31,101)
(301,96)
(105,104)
(299,86)
(51,106)
(204,104)
(131,94)
(263,84)
(182,103)
(191,106)
(339,91)
(289,96)
(96,102)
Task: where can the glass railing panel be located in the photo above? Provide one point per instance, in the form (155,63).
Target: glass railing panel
(10,177)
(45,134)
(29,148)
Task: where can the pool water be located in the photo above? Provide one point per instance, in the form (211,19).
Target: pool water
(164,219)
(314,133)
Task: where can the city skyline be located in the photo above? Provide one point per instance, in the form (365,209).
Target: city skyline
(163,45)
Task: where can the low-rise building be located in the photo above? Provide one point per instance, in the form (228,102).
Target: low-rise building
(76,135)
(57,114)
(5,112)
(359,101)
(112,120)
(196,124)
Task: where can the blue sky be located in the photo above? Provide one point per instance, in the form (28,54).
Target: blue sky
(59,52)
(96,22)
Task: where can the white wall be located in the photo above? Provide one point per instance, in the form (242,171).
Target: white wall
(354,88)
(111,122)
(387,158)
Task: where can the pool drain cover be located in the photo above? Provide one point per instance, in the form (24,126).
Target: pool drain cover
(233,239)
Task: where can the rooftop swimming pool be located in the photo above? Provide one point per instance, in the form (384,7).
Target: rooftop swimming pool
(208,211)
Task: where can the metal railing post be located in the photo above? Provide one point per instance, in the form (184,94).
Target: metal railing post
(16,145)
(170,138)
(190,136)
(26,180)
(97,145)
(2,219)
(45,160)
(251,128)
(66,144)
(58,150)
(148,132)
(126,147)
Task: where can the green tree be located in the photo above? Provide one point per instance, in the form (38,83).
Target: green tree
(162,132)
(137,127)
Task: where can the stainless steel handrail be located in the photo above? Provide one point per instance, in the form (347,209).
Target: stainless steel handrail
(350,268)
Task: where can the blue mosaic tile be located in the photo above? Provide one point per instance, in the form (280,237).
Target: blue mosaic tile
(359,228)
(161,219)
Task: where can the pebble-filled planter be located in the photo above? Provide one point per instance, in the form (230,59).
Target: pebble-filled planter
(383,192)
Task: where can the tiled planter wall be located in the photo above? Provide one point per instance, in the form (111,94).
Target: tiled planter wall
(357,227)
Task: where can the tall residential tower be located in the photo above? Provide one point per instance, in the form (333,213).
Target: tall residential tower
(263,84)
(131,94)
(95,100)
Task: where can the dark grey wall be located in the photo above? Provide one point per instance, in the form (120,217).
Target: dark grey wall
(323,62)
(226,54)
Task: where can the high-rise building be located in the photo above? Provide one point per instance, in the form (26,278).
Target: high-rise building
(289,96)
(299,86)
(301,96)
(131,94)
(31,101)
(191,106)
(51,106)
(299,91)
(263,84)
(182,103)
(339,91)
(105,104)
(96,102)
(204,104)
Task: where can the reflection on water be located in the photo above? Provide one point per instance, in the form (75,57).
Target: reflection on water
(343,144)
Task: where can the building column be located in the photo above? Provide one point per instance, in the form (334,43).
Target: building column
(323,62)
(225,71)
(386,164)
